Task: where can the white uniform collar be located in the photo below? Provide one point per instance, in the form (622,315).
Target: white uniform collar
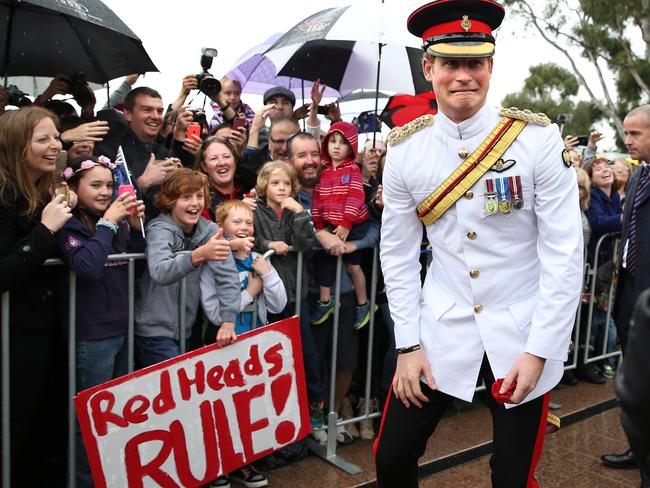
(467,128)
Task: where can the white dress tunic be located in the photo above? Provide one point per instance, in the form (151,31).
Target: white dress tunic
(500,284)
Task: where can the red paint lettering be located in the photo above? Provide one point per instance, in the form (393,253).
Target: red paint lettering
(135,409)
(181,458)
(185,383)
(136,471)
(164,401)
(102,415)
(233,375)
(280,389)
(253,366)
(229,458)
(242,400)
(214,378)
(274,358)
(285,432)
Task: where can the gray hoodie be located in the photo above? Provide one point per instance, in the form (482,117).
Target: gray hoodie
(157,302)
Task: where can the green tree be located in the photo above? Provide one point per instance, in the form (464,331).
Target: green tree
(552,90)
(600,32)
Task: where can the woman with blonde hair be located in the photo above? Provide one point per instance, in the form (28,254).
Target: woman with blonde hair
(29,217)
(622,169)
(584,189)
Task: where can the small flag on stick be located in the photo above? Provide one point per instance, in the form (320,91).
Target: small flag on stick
(122,176)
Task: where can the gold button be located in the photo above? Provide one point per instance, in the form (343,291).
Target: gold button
(469,195)
(472,235)
(478,308)
(473,273)
(463,153)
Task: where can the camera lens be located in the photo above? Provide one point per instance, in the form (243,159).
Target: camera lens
(210,86)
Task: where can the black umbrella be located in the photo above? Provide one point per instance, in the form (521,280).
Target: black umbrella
(46,37)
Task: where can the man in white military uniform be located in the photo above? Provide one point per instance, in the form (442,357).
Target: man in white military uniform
(500,206)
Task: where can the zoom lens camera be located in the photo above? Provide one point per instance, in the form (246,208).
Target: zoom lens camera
(208,84)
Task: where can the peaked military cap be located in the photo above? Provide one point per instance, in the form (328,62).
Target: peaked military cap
(457,28)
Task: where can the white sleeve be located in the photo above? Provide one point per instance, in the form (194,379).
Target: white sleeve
(314,130)
(560,251)
(401,236)
(275,295)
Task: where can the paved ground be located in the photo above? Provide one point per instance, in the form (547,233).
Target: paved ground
(571,457)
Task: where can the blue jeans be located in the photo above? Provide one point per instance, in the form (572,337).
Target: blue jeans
(598,334)
(315,384)
(153,350)
(97,362)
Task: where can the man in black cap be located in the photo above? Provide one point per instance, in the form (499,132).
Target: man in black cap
(283,99)
(499,202)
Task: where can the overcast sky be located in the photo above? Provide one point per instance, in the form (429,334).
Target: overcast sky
(173,34)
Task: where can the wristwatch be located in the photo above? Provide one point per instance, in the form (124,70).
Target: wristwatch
(406,350)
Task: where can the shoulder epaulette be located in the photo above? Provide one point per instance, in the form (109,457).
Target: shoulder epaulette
(398,134)
(525,115)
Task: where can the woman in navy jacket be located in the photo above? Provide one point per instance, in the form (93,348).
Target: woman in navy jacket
(605,210)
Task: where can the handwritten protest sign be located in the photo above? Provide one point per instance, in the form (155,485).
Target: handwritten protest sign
(188,420)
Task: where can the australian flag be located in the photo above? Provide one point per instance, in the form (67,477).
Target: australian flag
(121,174)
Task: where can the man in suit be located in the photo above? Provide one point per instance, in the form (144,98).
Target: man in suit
(502,215)
(634,260)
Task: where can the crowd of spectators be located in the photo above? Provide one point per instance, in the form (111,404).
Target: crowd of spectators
(244,183)
(601,183)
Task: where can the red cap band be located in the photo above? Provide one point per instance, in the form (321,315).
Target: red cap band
(454,27)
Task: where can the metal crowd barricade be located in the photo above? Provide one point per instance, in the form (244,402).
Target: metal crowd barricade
(72,380)
(328,451)
(591,277)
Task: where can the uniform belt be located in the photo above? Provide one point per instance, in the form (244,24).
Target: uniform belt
(470,171)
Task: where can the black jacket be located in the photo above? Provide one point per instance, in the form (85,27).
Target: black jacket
(633,385)
(25,244)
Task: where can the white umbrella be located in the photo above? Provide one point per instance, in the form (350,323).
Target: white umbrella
(256,73)
(344,46)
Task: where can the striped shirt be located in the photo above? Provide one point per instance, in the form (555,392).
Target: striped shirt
(339,197)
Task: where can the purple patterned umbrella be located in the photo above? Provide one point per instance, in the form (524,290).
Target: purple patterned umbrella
(256,73)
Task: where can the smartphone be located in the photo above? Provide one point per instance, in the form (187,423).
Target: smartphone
(128,189)
(238,123)
(583,140)
(194,129)
(323,109)
(63,190)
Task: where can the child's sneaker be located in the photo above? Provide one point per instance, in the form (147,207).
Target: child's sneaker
(249,477)
(221,482)
(321,312)
(343,436)
(608,371)
(363,315)
(316,414)
(320,436)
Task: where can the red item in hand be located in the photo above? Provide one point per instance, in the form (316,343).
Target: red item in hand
(502,397)
(130,189)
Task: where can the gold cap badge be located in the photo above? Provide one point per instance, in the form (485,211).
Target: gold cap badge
(466,24)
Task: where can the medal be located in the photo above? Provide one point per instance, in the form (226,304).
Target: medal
(491,204)
(502,191)
(515,187)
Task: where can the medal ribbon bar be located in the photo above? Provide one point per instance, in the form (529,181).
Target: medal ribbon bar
(471,170)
